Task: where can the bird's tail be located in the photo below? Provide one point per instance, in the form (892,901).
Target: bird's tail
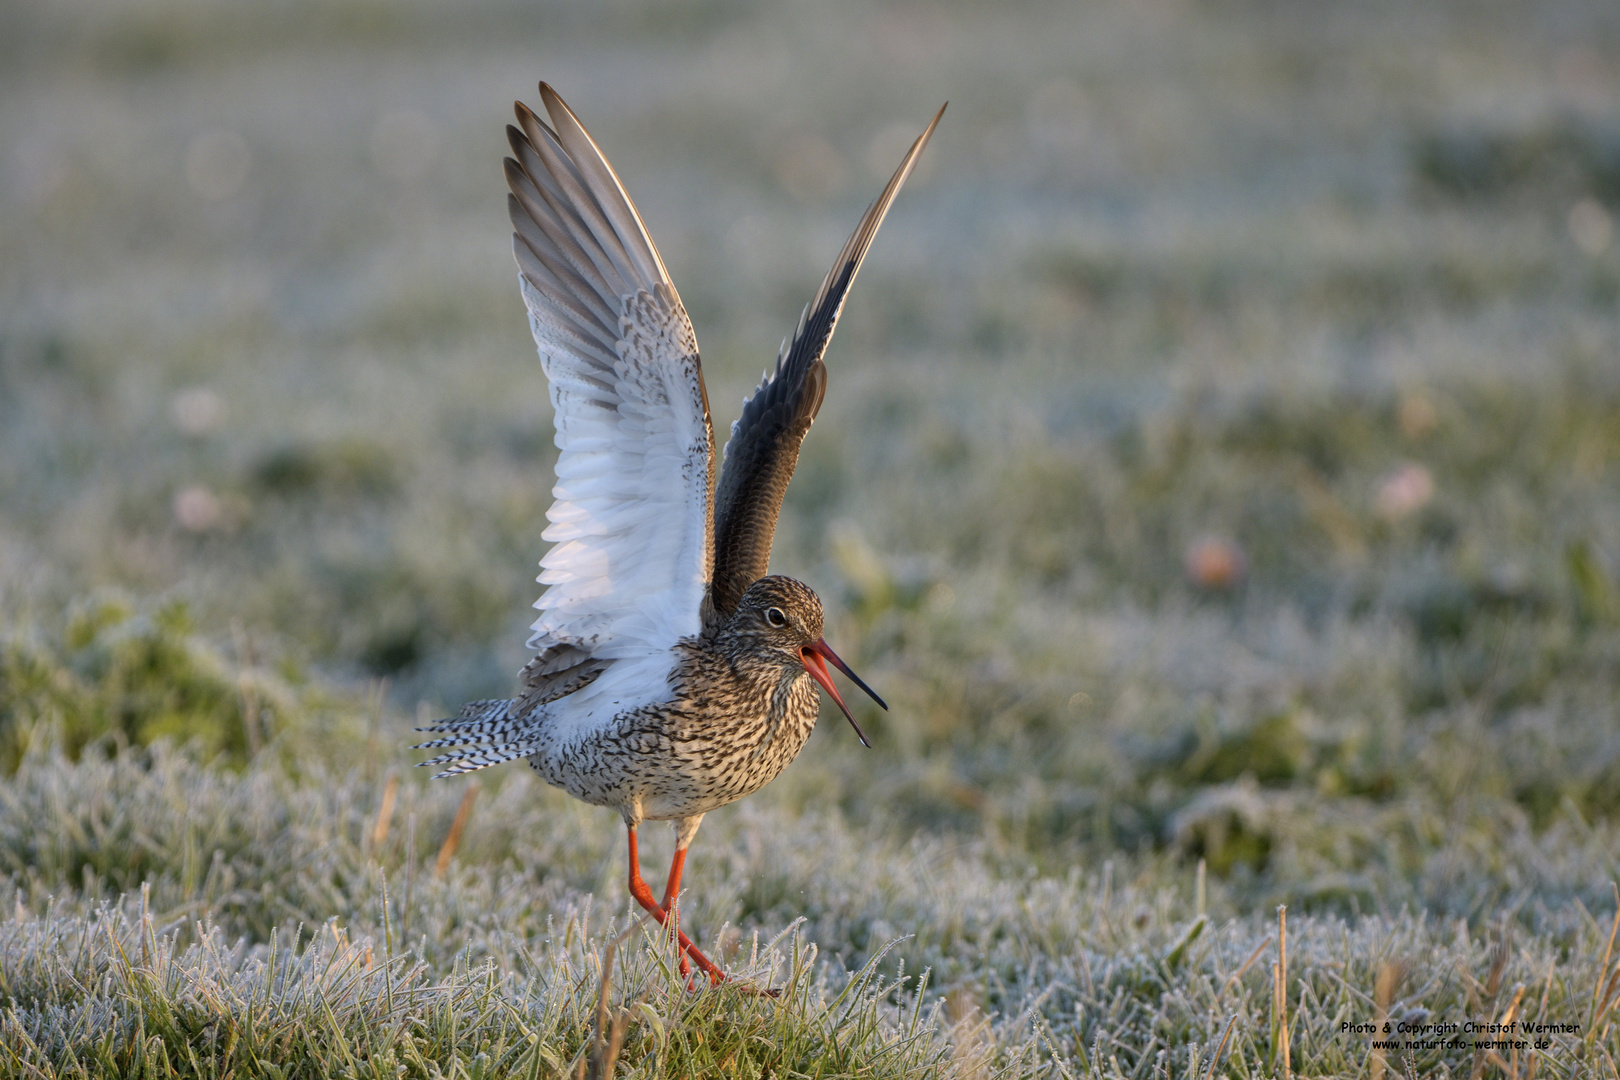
(484,733)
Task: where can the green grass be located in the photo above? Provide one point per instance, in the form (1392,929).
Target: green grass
(165,911)
(329,1006)
(1323,291)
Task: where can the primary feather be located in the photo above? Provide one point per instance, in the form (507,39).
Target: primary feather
(764,445)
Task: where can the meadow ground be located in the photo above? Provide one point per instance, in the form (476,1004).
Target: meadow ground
(1220,476)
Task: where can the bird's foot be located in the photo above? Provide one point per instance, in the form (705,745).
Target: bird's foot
(695,984)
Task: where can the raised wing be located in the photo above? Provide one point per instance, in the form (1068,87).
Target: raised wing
(764,444)
(633,510)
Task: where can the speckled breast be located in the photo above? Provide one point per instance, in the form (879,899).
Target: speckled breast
(688,756)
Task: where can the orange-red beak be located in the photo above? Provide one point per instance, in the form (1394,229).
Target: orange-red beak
(812,656)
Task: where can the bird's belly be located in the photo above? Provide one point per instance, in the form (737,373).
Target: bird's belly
(722,778)
(659,771)
(585,772)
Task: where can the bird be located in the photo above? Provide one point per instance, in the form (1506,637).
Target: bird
(672,673)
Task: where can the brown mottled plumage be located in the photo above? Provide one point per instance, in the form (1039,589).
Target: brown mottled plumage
(671,676)
(741,708)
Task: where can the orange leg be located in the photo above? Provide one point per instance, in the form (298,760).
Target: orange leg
(673,888)
(644,897)
(672,891)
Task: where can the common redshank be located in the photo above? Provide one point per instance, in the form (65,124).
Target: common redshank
(672,676)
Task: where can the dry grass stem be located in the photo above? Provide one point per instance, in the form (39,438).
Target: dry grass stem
(1219,1053)
(1232,979)
(447,850)
(1282,991)
(1385,987)
(385,812)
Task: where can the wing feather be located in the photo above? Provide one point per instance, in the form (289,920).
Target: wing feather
(631,520)
(576,193)
(627,221)
(557,223)
(545,269)
(764,445)
(632,510)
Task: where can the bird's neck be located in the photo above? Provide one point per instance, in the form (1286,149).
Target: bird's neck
(761,680)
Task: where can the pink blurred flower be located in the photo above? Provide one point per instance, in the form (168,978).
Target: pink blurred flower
(196,509)
(1406,490)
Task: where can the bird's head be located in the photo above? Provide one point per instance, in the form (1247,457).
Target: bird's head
(780,616)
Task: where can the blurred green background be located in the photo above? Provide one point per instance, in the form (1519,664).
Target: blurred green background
(1221,455)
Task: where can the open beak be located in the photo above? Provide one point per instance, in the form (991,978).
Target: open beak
(813,655)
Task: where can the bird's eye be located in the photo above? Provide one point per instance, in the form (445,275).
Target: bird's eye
(775,617)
